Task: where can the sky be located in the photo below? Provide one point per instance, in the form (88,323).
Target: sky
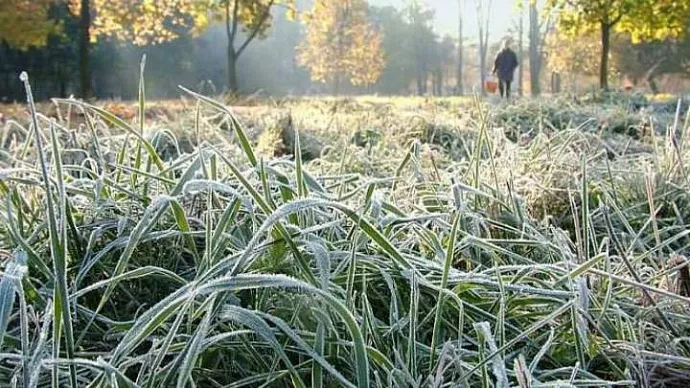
(504,15)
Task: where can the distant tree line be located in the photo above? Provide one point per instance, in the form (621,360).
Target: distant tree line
(91,48)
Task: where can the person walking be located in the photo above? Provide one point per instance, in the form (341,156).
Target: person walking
(504,67)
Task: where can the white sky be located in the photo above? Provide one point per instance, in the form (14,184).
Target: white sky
(504,15)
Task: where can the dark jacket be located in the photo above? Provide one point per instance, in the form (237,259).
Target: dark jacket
(505,64)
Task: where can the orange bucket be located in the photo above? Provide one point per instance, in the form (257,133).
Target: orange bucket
(491,86)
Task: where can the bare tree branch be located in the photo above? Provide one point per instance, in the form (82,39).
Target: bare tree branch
(235,22)
(257,27)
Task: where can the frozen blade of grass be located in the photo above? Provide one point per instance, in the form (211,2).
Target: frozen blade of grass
(136,273)
(218,242)
(241,135)
(198,185)
(542,351)
(58,240)
(323,261)
(299,178)
(581,269)
(532,328)
(191,352)
(24,332)
(411,362)
(642,286)
(263,176)
(398,172)
(40,347)
(183,224)
(485,244)
(60,261)
(164,348)
(319,346)
(187,176)
(522,374)
(33,257)
(142,118)
(578,327)
(149,321)
(450,255)
(310,181)
(351,272)
(584,197)
(483,329)
(9,287)
(100,366)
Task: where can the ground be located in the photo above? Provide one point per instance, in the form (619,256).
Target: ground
(330,242)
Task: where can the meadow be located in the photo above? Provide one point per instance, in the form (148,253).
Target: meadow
(368,242)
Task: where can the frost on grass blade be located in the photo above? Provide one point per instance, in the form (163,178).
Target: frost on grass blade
(15,271)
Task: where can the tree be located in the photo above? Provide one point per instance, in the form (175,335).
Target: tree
(538,30)
(521,52)
(461,45)
(420,18)
(644,20)
(518,29)
(483,17)
(253,18)
(139,21)
(443,59)
(573,55)
(398,45)
(341,44)
(649,60)
(34,37)
(26,23)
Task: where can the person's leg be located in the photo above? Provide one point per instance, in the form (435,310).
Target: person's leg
(501,87)
(508,89)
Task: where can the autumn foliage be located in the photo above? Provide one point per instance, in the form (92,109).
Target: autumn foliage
(25,23)
(144,22)
(341,44)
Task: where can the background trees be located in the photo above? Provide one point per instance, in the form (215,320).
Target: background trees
(92,47)
(340,44)
(26,23)
(140,22)
(643,20)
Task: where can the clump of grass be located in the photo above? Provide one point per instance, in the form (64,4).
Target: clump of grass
(214,267)
(270,142)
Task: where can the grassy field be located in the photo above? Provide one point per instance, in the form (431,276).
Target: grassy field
(367,242)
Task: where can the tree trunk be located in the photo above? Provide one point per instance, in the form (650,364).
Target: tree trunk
(337,85)
(651,81)
(5,76)
(483,39)
(420,80)
(438,82)
(555,83)
(605,49)
(459,81)
(84,43)
(482,65)
(232,70)
(534,50)
(521,52)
